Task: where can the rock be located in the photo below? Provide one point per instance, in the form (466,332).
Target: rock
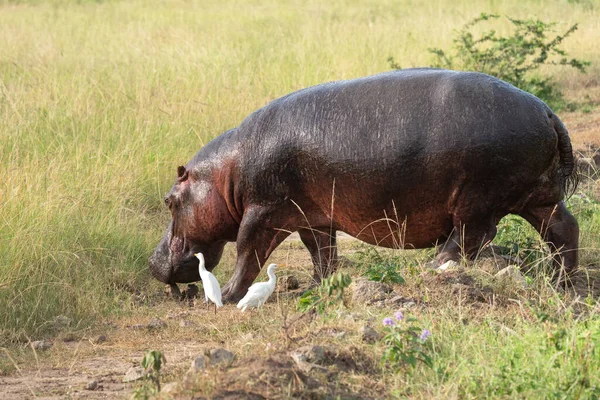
(186,323)
(61,321)
(408,304)
(133,374)
(99,339)
(308,358)
(221,357)
(287,283)
(92,385)
(311,354)
(69,337)
(198,364)
(41,344)
(512,274)
(369,292)
(368,334)
(448,265)
(156,324)
(170,387)
(339,335)
(402,302)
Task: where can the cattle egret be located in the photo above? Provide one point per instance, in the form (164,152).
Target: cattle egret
(259,292)
(212,290)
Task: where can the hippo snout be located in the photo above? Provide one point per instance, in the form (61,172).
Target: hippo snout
(159,266)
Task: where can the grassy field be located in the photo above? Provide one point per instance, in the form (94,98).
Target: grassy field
(100,101)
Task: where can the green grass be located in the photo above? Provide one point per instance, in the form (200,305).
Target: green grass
(100,101)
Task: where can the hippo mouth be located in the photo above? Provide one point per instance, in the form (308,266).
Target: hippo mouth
(184,265)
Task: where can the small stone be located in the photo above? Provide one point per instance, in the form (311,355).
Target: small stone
(61,321)
(69,337)
(156,324)
(288,282)
(221,357)
(308,358)
(186,323)
(368,334)
(311,354)
(198,364)
(41,344)
(448,265)
(409,304)
(396,300)
(133,374)
(369,292)
(99,339)
(512,273)
(169,387)
(92,385)
(339,335)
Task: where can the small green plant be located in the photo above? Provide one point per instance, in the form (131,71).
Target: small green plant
(379,268)
(152,364)
(406,343)
(520,239)
(327,294)
(514,58)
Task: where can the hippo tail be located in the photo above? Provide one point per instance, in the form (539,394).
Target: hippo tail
(568,167)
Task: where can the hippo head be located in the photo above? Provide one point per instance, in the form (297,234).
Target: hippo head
(200,224)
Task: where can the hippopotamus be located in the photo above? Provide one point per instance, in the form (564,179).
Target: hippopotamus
(407,159)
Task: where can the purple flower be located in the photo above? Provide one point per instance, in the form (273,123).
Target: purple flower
(398,315)
(388,322)
(424,335)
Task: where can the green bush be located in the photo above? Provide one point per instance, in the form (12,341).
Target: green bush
(379,268)
(515,58)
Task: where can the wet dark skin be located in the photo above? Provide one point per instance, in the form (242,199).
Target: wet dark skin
(405,159)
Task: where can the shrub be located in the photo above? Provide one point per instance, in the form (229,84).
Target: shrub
(514,58)
(379,268)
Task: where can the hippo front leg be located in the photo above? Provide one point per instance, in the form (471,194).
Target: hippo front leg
(255,242)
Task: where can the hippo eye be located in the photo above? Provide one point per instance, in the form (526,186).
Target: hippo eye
(168,201)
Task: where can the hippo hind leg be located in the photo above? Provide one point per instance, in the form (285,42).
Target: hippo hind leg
(560,230)
(467,238)
(321,243)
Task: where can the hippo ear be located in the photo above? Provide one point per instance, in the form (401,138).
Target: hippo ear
(182,173)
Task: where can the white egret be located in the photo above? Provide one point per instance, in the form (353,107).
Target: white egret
(212,290)
(259,292)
